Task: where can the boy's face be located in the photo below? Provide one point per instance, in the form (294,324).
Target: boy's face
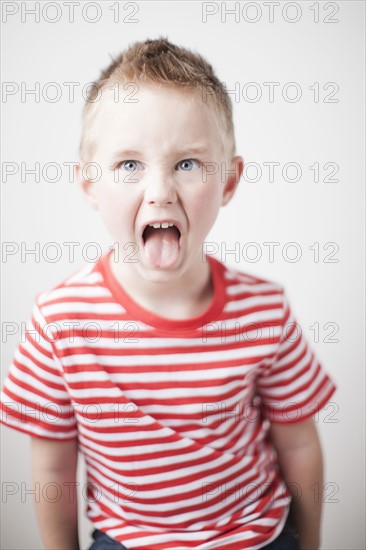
(160,158)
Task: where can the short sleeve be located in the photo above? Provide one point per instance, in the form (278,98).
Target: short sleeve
(293,385)
(34,397)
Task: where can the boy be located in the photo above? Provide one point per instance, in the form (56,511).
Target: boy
(186,384)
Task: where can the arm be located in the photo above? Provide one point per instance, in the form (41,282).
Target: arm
(301,464)
(54,463)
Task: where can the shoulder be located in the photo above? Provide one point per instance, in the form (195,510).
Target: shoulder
(239,281)
(250,296)
(74,293)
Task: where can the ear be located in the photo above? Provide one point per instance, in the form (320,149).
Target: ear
(234,172)
(87,187)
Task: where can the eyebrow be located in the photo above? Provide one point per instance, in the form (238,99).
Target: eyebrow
(195,150)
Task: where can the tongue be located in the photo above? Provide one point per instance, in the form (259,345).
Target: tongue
(162,246)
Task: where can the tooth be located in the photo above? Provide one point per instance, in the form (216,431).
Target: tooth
(156,225)
(164,225)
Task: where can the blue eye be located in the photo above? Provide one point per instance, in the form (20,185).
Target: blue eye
(133,165)
(187,163)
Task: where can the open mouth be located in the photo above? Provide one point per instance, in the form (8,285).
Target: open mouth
(161,242)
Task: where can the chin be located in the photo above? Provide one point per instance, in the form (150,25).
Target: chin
(156,274)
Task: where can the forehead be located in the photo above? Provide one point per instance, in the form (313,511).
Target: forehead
(160,117)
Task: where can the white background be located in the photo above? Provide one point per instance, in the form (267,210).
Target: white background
(306,212)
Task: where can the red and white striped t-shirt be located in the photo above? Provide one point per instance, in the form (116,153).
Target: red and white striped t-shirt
(171,416)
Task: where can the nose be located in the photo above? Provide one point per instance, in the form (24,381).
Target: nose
(160,190)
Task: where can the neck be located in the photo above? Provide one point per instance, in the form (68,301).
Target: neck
(181,297)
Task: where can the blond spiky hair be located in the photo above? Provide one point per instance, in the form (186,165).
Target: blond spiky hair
(161,62)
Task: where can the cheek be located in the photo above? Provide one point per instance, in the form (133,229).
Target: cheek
(115,208)
(205,205)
